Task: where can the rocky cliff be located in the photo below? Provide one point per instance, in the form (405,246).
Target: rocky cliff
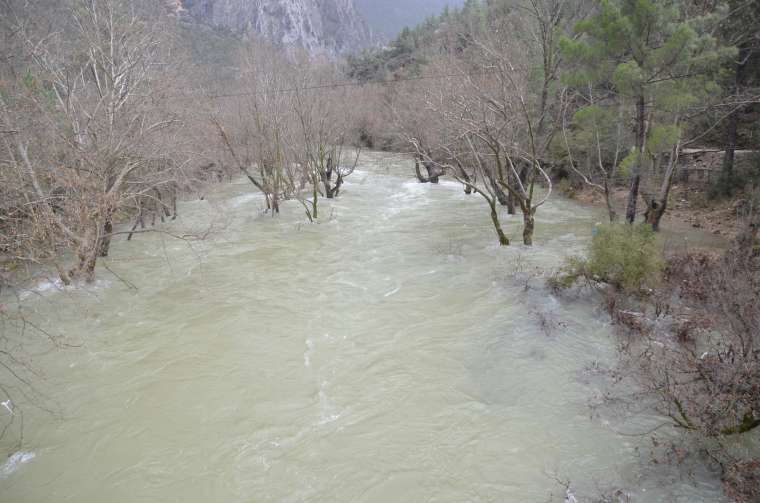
(320,26)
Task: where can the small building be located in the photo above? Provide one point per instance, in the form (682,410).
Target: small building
(703,165)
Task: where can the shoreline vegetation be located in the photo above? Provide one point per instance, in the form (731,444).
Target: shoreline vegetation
(112,111)
(689,325)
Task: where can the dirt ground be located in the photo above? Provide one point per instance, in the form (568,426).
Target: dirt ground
(688,206)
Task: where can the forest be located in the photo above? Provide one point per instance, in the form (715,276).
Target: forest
(115,114)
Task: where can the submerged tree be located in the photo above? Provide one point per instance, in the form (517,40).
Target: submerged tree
(257,129)
(287,127)
(323,119)
(508,96)
(447,133)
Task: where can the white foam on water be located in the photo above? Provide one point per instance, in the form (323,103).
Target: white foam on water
(412,196)
(43,287)
(49,286)
(392,292)
(413,187)
(451,184)
(15,461)
(244,199)
(307,354)
(327,408)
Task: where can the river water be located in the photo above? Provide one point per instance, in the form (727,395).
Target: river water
(392,352)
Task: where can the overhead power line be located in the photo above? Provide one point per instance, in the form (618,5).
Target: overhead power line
(335,85)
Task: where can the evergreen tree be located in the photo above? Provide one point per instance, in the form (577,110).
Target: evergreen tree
(651,55)
(740,29)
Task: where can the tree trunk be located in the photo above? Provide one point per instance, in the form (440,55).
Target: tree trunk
(87,255)
(656,206)
(315,202)
(608,201)
(330,192)
(503,240)
(89,270)
(174,203)
(633,194)
(432,171)
(268,201)
(655,211)
(326,182)
(510,197)
(138,221)
(528,226)
(524,167)
(500,194)
(329,168)
(732,135)
(465,177)
(64,275)
(161,207)
(105,241)
(338,183)
(544,103)
(732,127)
(274,205)
(417,171)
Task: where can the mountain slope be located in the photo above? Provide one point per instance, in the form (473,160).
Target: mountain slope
(389,17)
(320,26)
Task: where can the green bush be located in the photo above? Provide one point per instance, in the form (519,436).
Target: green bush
(624,256)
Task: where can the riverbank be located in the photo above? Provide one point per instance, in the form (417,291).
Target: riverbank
(689,207)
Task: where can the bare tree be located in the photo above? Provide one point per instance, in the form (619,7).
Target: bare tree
(323,118)
(96,87)
(456,144)
(287,129)
(506,93)
(256,128)
(483,120)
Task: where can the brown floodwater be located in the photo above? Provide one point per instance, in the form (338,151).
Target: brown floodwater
(389,353)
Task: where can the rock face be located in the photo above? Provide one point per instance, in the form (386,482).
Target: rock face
(330,27)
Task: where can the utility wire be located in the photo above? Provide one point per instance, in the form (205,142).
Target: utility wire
(337,85)
(334,85)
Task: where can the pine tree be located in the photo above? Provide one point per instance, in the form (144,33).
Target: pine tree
(651,55)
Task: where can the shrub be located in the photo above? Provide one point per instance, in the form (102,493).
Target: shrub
(566,188)
(624,256)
